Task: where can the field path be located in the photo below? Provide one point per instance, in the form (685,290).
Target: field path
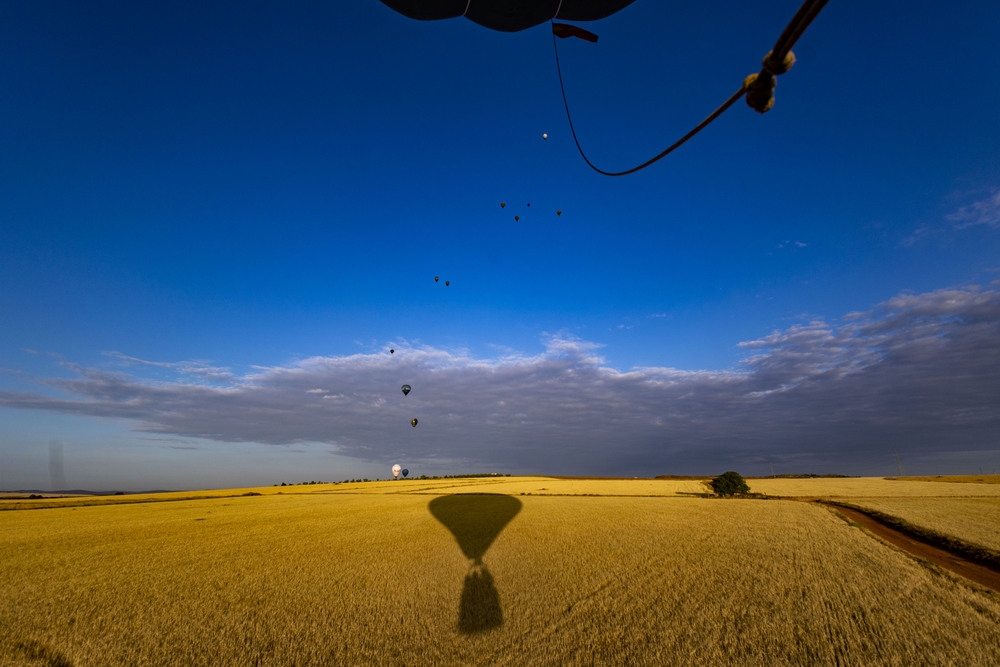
(976,572)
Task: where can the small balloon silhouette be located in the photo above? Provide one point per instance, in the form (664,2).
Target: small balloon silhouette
(516,218)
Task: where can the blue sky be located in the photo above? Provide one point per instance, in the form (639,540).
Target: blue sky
(215,221)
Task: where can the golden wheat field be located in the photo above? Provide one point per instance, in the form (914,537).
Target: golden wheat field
(972,520)
(848,487)
(455,572)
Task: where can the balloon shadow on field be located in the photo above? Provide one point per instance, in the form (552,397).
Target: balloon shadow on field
(475,520)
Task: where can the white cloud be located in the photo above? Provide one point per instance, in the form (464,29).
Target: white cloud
(919,372)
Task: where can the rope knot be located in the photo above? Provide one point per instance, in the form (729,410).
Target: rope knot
(760,87)
(760,91)
(772,65)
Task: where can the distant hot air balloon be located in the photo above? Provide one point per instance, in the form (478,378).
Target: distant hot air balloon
(502,204)
(558,212)
(436,278)
(413,422)
(392,351)
(545,136)
(516,218)
(406,389)
(447,282)
(529,203)
(395,471)
(405,472)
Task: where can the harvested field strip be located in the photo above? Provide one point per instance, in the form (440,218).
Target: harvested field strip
(983,573)
(962,479)
(975,521)
(871,487)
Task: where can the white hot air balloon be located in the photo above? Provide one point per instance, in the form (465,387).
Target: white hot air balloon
(395,471)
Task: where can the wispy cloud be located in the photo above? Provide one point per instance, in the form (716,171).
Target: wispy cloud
(918,235)
(983,212)
(201,370)
(920,372)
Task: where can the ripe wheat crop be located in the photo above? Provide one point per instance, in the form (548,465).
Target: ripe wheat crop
(395,573)
(847,487)
(972,520)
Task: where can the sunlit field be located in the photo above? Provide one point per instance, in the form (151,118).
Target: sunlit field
(846,487)
(972,520)
(477,571)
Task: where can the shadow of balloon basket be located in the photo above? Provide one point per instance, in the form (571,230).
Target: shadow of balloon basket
(475,520)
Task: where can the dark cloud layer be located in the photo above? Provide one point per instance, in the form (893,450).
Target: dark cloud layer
(918,374)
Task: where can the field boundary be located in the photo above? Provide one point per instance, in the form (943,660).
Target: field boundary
(104,501)
(975,563)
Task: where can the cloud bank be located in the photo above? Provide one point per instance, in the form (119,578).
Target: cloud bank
(918,374)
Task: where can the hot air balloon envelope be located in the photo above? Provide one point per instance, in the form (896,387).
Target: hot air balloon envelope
(507,15)
(406,389)
(395,471)
(413,422)
(405,472)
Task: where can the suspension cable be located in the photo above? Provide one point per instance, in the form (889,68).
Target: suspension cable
(759,87)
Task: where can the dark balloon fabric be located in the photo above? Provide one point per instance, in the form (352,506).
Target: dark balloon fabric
(565,30)
(508,15)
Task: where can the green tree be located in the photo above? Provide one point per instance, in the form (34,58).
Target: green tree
(730,484)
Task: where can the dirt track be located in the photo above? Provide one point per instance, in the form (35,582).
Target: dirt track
(980,574)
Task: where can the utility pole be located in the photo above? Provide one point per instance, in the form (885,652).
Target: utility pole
(899,466)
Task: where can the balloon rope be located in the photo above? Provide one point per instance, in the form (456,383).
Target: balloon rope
(556,15)
(777,61)
(466,7)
